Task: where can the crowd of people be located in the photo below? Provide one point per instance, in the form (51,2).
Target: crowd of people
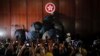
(47,39)
(49,47)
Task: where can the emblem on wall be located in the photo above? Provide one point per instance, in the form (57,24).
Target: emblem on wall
(50,7)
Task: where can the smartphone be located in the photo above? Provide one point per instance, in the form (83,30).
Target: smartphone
(27,45)
(16,41)
(38,44)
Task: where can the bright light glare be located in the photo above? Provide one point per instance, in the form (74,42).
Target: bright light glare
(27,44)
(1,34)
(68,34)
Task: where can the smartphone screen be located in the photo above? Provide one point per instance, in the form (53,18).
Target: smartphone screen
(27,45)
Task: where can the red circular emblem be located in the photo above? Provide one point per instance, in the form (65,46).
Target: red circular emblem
(50,7)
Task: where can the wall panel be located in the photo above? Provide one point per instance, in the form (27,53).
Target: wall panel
(34,10)
(5,16)
(67,14)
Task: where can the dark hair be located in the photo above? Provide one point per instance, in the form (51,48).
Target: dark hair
(20,34)
(38,25)
(25,52)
